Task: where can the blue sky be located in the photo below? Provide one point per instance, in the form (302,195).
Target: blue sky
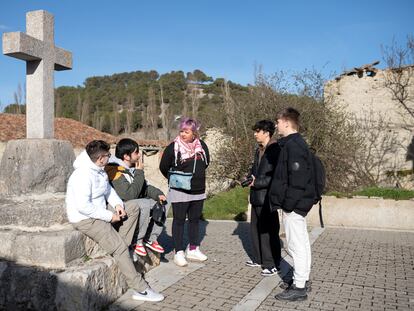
(223,38)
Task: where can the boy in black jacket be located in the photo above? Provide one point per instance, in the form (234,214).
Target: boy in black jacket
(293,191)
(264,224)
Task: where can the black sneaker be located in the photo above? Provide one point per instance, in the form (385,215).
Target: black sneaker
(293,294)
(251,263)
(287,284)
(269,271)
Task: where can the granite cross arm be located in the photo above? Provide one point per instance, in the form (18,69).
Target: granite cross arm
(42,57)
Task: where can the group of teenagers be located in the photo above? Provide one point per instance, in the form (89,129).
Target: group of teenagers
(110,201)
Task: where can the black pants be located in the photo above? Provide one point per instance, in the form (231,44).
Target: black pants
(180,211)
(264,228)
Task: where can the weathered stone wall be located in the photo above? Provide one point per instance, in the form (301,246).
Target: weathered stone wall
(367,96)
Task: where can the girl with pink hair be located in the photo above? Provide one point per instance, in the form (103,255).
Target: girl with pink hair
(189,154)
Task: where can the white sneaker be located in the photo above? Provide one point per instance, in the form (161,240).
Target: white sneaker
(179,259)
(147,295)
(195,254)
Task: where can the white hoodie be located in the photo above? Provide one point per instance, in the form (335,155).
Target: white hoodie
(88,191)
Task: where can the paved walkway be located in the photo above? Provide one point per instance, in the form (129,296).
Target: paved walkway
(351,270)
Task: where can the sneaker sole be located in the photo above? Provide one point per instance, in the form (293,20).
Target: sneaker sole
(266,275)
(155,250)
(181,265)
(196,259)
(302,298)
(139,298)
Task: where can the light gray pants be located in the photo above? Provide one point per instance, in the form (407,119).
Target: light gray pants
(146,228)
(116,243)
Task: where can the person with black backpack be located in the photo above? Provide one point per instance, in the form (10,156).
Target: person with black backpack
(293,190)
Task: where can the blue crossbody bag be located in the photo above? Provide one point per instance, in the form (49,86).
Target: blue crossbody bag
(179,179)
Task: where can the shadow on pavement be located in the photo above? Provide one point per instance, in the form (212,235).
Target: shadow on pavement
(243,232)
(166,240)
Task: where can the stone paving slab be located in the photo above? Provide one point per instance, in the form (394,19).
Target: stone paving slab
(351,270)
(358,270)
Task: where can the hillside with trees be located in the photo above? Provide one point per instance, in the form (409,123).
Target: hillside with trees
(147,101)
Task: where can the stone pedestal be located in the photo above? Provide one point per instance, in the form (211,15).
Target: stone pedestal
(35,166)
(46,265)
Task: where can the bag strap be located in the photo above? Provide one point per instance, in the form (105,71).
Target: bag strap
(320,214)
(195,162)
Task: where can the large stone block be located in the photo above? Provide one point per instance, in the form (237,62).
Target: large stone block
(89,286)
(35,166)
(54,249)
(33,210)
(26,288)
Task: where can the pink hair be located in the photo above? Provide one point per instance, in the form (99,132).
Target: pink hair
(188,123)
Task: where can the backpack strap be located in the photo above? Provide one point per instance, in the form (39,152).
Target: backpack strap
(320,214)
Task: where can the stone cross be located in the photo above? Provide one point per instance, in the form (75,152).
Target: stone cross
(42,57)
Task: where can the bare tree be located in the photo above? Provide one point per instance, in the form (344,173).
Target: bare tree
(97,120)
(129,113)
(151,114)
(79,106)
(195,101)
(165,115)
(115,124)
(18,99)
(399,79)
(85,111)
(184,111)
(375,154)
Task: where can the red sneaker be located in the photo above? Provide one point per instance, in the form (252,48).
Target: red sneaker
(140,250)
(155,246)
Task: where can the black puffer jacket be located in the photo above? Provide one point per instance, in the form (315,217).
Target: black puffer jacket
(293,186)
(263,170)
(198,182)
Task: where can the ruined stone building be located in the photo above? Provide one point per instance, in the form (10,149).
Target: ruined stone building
(370,95)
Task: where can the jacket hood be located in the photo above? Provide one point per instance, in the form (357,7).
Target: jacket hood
(118,161)
(114,160)
(84,161)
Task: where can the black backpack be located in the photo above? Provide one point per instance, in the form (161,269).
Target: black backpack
(319,181)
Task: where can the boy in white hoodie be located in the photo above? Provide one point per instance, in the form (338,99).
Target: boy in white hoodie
(87,195)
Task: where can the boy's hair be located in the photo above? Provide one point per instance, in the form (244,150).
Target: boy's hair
(125,146)
(97,148)
(290,114)
(265,125)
